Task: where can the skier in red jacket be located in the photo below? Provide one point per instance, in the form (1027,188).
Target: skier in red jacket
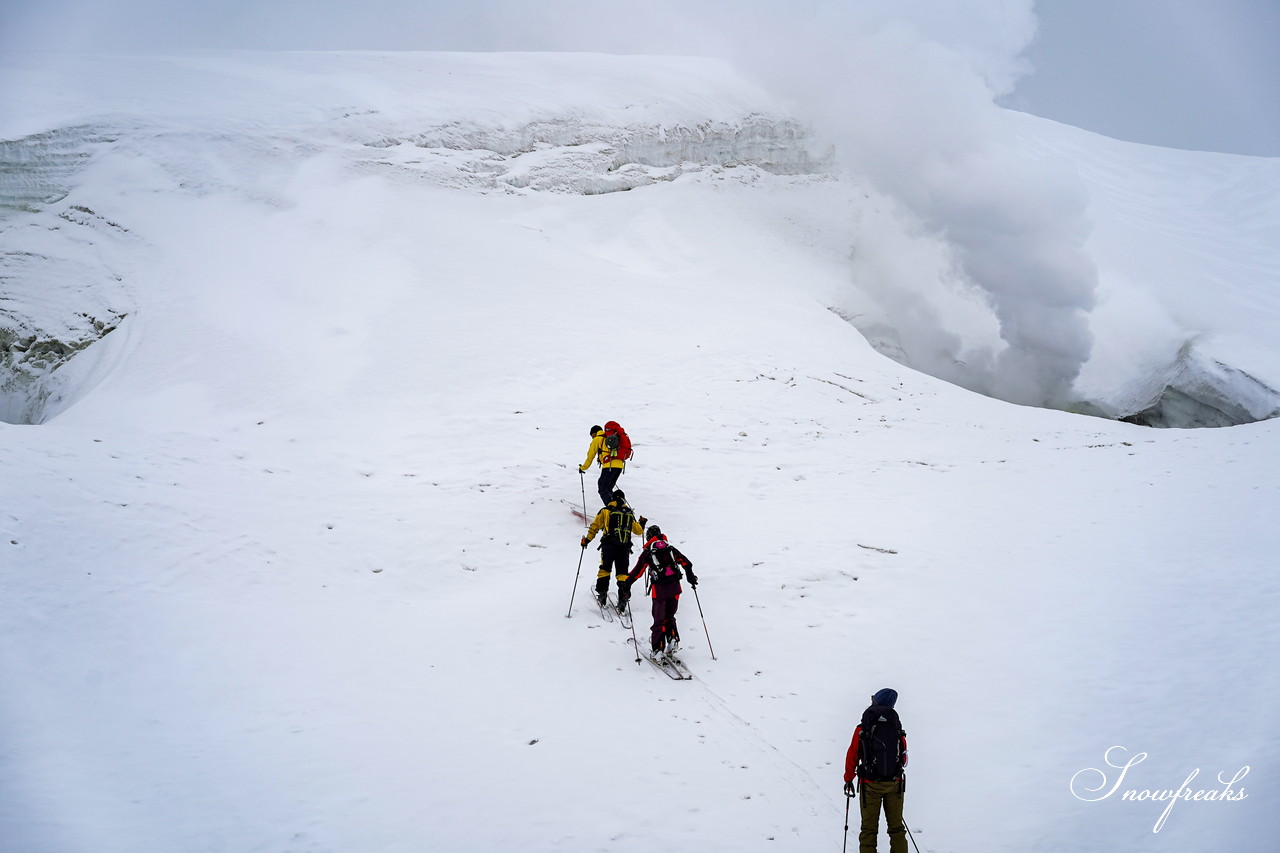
(877,757)
(666,566)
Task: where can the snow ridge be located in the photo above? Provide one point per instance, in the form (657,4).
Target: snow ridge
(61,290)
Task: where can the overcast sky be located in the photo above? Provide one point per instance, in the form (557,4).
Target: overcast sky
(1197,74)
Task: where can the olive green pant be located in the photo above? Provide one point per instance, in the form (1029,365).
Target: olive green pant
(873,796)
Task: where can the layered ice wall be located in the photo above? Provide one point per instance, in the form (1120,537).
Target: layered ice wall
(589,159)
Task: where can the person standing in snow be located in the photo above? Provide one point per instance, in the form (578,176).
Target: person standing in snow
(665,565)
(617,522)
(611,465)
(877,757)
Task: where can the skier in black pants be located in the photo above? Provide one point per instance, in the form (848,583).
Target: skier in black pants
(611,463)
(618,523)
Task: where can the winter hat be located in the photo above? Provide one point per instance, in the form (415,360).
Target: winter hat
(653,532)
(885,697)
(595,429)
(619,496)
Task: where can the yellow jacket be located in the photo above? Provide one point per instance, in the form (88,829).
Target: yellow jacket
(601,522)
(601,453)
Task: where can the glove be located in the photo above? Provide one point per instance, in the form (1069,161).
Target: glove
(693,581)
(850,789)
(581,470)
(585,540)
(644,522)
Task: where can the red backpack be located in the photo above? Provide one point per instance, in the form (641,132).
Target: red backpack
(616,443)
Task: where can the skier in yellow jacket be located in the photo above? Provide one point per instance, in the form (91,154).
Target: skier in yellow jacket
(618,522)
(611,465)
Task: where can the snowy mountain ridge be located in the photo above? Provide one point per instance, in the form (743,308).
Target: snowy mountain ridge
(67,289)
(527,136)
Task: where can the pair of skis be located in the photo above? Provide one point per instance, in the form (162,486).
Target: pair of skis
(609,610)
(672,667)
(624,616)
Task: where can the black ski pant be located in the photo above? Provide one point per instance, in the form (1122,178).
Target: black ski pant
(615,558)
(608,480)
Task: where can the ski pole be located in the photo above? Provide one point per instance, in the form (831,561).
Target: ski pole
(909,835)
(582,481)
(704,623)
(847,798)
(634,641)
(581,554)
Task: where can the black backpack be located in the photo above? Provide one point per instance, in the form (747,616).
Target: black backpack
(618,528)
(880,745)
(665,568)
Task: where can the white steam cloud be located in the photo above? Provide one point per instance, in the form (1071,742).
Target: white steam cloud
(908,89)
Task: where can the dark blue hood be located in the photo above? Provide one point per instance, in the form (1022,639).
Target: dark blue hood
(885,697)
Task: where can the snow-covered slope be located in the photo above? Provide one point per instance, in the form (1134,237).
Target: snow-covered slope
(288,562)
